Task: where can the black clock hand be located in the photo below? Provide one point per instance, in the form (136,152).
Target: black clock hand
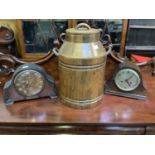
(130,77)
(127,82)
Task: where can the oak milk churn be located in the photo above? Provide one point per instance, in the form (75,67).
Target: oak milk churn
(82,60)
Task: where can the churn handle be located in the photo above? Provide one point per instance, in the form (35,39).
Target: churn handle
(110,44)
(61,37)
(77,27)
(109,49)
(56,51)
(83,25)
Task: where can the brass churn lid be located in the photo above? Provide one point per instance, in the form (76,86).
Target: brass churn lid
(82,33)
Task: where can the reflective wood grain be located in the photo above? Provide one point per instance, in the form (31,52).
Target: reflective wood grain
(150,130)
(115,115)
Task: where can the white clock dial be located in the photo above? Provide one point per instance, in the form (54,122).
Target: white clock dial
(127,79)
(29,82)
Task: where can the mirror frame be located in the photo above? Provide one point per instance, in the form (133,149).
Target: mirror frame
(124,37)
(21,45)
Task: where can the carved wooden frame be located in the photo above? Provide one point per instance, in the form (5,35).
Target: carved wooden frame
(21,45)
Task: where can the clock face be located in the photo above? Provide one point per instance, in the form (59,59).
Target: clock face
(29,82)
(127,79)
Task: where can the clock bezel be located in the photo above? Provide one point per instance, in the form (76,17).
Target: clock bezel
(15,76)
(129,68)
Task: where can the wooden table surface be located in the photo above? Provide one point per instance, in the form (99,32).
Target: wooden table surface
(115,115)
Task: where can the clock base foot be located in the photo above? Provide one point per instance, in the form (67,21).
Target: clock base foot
(139,93)
(8,102)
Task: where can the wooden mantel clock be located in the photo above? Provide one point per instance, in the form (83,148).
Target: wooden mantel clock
(126,81)
(29,81)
